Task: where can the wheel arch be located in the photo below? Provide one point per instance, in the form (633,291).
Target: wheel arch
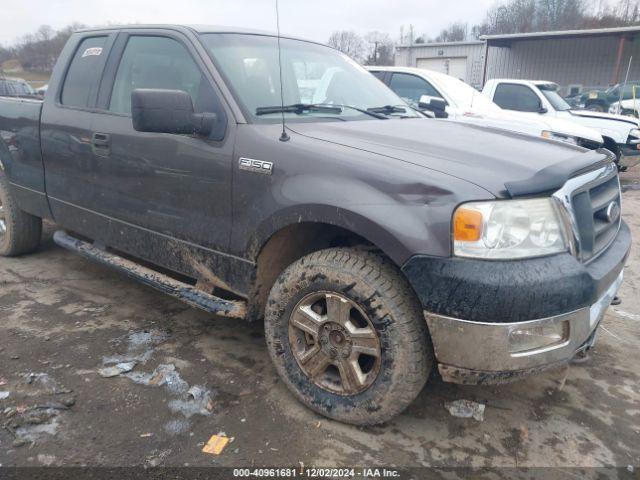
(611,145)
(289,241)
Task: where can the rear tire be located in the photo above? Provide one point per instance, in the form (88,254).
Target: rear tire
(20,232)
(370,370)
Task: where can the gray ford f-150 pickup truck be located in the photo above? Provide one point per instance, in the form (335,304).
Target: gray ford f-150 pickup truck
(376,244)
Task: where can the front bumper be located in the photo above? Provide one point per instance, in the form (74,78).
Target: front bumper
(472,307)
(477,353)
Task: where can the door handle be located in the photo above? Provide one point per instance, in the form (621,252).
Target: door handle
(101,144)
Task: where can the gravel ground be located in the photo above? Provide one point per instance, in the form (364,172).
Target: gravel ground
(65,319)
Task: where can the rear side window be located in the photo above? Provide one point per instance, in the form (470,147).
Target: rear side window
(516,97)
(378,75)
(83,73)
(411,88)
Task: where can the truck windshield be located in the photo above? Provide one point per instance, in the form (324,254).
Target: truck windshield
(550,93)
(312,75)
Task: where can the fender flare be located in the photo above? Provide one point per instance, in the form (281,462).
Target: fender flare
(344,218)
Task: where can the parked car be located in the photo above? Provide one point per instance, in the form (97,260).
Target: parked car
(540,99)
(629,108)
(374,242)
(451,98)
(601,100)
(15,87)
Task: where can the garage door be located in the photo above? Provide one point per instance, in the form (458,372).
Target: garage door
(454,66)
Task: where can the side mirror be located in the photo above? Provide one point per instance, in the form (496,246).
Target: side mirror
(168,111)
(435,104)
(542,110)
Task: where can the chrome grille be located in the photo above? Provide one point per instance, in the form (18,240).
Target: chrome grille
(592,203)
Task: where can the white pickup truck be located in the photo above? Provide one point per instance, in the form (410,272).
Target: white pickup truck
(450,98)
(540,99)
(627,108)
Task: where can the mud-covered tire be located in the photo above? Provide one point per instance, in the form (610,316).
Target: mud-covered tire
(20,232)
(377,287)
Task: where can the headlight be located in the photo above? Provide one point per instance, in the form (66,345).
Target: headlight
(634,133)
(508,229)
(559,137)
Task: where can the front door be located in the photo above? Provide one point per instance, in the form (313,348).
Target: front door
(520,99)
(171,194)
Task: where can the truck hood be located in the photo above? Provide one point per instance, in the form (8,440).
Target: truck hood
(604,116)
(629,103)
(503,163)
(573,129)
(506,120)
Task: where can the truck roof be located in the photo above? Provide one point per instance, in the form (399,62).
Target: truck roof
(197,29)
(522,80)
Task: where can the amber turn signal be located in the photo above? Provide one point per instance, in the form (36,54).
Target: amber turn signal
(467,225)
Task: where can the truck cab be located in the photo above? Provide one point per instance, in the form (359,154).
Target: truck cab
(540,99)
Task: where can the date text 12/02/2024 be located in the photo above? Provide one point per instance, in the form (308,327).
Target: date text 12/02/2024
(311,472)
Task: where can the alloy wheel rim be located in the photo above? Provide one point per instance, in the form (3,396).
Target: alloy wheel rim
(334,343)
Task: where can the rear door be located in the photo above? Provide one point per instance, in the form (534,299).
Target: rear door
(67,116)
(165,189)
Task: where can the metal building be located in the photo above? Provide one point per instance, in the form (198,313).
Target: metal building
(463,60)
(575,59)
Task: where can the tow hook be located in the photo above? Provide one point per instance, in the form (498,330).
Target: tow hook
(616,300)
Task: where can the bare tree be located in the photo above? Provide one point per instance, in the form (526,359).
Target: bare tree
(349,43)
(5,54)
(381,49)
(521,16)
(39,51)
(455,32)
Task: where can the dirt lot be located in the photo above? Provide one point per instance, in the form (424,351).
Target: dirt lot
(63,319)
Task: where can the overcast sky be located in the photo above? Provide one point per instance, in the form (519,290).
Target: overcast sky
(314,19)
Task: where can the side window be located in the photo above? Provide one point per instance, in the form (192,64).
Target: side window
(516,97)
(378,75)
(411,87)
(83,72)
(160,62)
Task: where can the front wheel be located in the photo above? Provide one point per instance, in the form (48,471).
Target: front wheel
(347,336)
(20,232)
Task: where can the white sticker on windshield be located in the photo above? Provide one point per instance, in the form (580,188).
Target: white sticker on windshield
(92,51)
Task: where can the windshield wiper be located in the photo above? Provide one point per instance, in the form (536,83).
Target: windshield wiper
(298,108)
(388,109)
(361,110)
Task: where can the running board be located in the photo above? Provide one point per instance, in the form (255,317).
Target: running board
(183,291)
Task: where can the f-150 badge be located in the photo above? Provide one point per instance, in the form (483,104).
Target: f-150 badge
(257,166)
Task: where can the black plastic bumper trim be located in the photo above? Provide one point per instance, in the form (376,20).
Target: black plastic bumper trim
(515,290)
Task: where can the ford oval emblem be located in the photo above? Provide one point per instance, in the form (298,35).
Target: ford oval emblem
(613,212)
